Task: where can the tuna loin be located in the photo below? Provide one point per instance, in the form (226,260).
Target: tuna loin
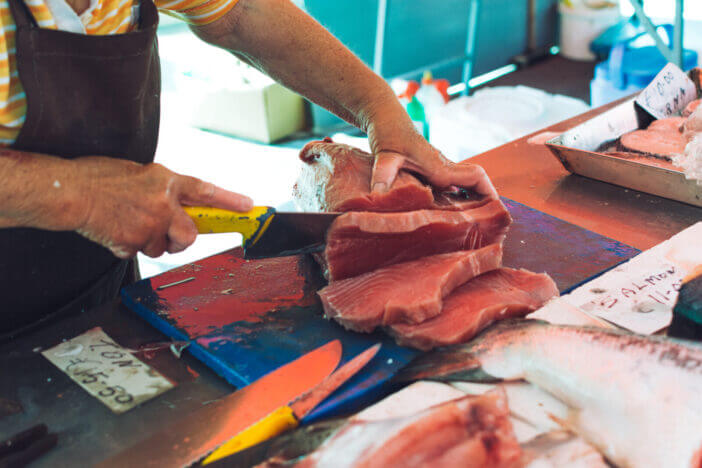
(359,242)
(337,177)
(409,292)
(496,295)
(471,432)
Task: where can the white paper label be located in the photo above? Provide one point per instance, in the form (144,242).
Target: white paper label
(107,371)
(638,295)
(668,94)
(638,300)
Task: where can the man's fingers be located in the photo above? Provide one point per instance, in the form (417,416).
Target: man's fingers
(194,191)
(385,170)
(181,234)
(473,177)
(156,247)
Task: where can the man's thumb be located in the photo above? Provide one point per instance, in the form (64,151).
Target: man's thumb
(385,170)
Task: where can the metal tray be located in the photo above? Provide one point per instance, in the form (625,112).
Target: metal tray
(577,150)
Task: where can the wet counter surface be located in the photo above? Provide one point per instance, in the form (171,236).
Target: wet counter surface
(33,391)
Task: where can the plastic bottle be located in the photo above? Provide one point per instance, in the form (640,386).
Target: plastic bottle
(414,108)
(431,98)
(416,113)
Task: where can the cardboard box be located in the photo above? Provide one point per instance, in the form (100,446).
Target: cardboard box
(264,111)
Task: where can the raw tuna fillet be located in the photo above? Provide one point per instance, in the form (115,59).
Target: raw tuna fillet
(337,177)
(671,124)
(662,138)
(470,432)
(359,242)
(496,295)
(409,292)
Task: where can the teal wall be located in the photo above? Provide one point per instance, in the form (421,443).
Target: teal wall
(425,31)
(421,32)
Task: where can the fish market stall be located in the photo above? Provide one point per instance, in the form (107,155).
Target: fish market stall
(230,322)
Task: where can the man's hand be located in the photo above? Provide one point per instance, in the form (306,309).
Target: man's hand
(285,43)
(124,206)
(396,144)
(139,208)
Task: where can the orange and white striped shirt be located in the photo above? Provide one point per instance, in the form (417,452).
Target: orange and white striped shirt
(102,17)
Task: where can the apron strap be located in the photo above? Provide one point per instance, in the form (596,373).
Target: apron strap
(23,17)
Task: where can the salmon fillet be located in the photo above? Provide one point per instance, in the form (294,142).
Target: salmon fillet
(690,108)
(496,295)
(663,138)
(646,159)
(409,292)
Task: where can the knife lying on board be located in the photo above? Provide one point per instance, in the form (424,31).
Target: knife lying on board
(288,417)
(266,232)
(203,430)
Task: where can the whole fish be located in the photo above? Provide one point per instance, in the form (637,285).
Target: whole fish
(638,399)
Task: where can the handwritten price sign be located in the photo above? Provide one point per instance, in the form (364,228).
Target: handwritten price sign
(638,295)
(644,294)
(107,371)
(668,94)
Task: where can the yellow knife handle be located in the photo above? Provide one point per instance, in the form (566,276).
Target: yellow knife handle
(215,220)
(281,420)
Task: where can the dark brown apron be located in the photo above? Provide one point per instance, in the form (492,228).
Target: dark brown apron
(86,96)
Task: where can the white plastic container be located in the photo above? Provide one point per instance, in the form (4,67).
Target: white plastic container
(580,24)
(494,116)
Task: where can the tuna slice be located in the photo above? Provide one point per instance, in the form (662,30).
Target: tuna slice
(360,242)
(470,432)
(409,292)
(662,138)
(337,177)
(496,295)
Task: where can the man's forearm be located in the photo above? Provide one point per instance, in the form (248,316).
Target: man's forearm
(36,190)
(291,47)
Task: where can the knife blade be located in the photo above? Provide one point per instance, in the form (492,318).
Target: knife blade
(205,429)
(266,232)
(289,416)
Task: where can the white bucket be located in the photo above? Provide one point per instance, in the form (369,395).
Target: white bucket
(580,25)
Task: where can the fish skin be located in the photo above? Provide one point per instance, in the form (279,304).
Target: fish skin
(636,398)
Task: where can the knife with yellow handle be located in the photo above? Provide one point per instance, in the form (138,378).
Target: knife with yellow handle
(289,416)
(266,232)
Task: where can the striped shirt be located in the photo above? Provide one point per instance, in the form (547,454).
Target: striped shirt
(102,17)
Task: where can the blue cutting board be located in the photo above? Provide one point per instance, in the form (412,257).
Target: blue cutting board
(246,318)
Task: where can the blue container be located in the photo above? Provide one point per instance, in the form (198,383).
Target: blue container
(629,69)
